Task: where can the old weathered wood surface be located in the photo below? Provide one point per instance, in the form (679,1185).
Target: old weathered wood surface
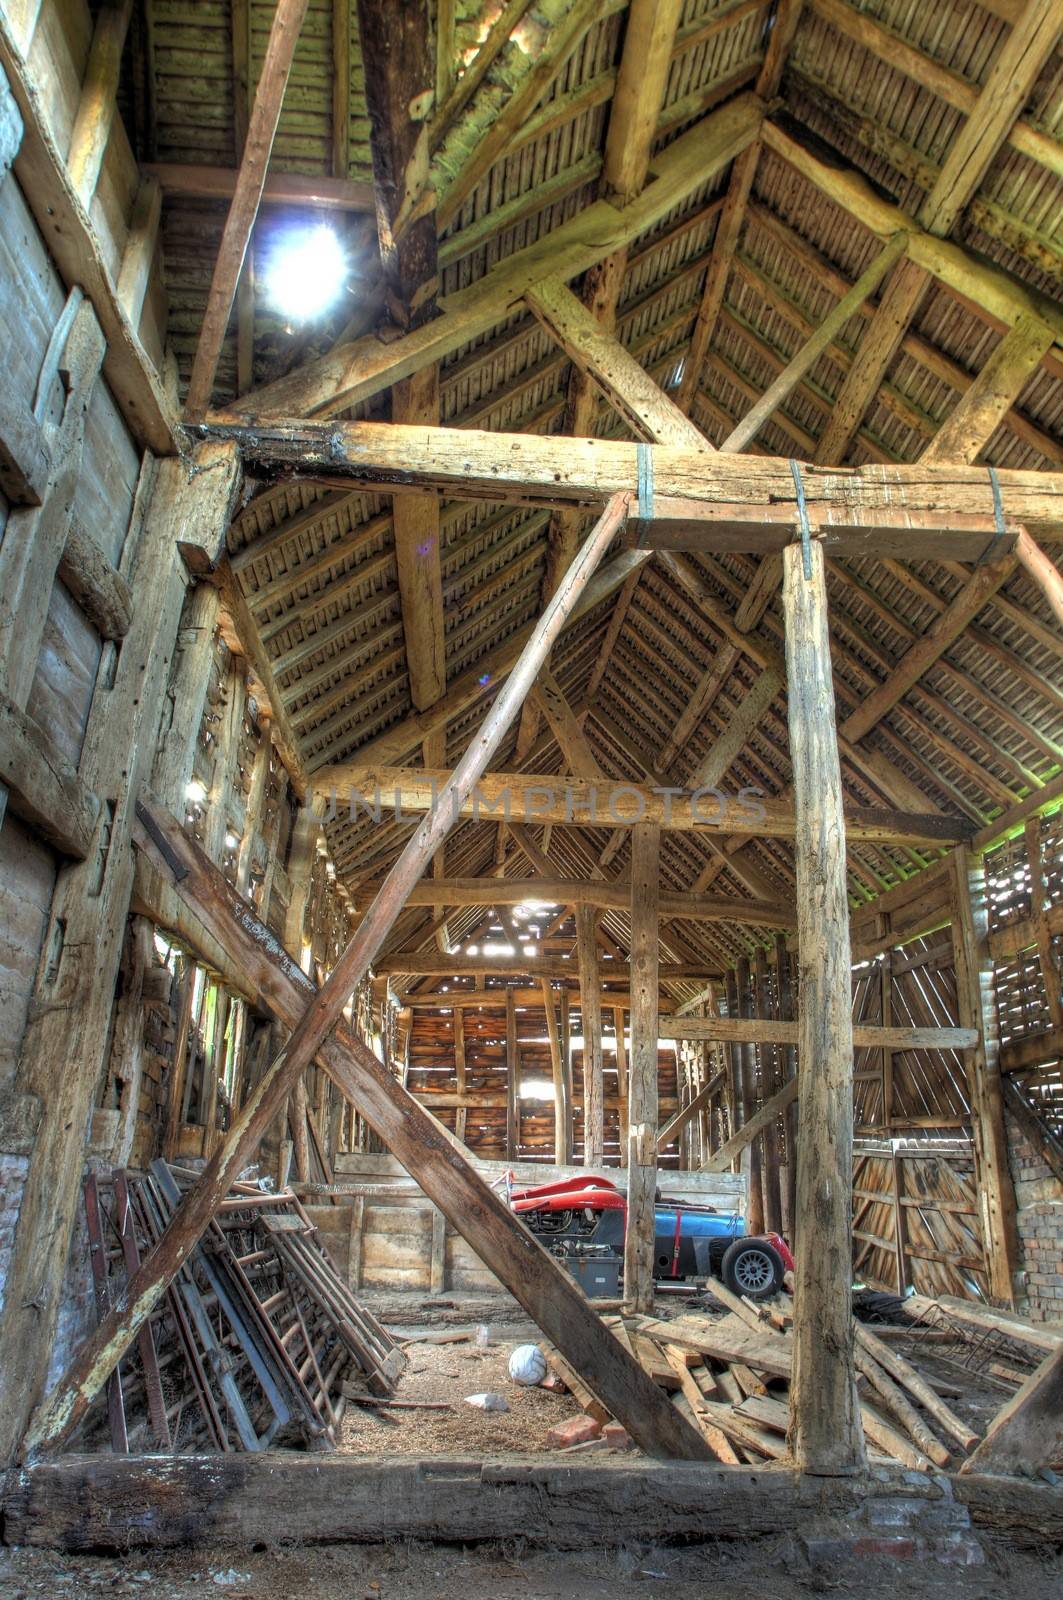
(112,1503)
(826,1432)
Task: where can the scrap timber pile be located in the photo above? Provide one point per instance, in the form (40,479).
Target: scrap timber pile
(730,1377)
(257,1343)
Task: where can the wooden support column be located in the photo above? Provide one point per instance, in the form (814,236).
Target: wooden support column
(512,1080)
(66,1039)
(642,1101)
(826,1435)
(747,1052)
(975,1009)
(461,1114)
(623,1100)
(590,1006)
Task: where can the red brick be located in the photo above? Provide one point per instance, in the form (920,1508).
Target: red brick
(617,1437)
(574,1430)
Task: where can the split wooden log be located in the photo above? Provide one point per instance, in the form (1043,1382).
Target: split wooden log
(908,1378)
(893,1398)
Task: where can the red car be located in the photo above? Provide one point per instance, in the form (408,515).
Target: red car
(588,1215)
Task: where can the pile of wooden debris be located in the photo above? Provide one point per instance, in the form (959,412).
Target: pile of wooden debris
(257,1342)
(730,1377)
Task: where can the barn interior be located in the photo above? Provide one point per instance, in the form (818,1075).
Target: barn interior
(433,768)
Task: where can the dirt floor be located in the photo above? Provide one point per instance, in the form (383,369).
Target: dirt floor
(423,1572)
(445,1374)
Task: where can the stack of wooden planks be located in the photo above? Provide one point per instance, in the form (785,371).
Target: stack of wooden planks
(257,1343)
(730,1374)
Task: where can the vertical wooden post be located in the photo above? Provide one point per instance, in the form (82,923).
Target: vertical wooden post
(512,1080)
(770,1085)
(623,1102)
(747,1052)
(642,1102)
(562,1119)
(566,1068)
(461,1115)
(826,1435)
(784,1011)
(975,1008)
(590,1005)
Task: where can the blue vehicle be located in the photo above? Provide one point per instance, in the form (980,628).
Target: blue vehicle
(587,1216)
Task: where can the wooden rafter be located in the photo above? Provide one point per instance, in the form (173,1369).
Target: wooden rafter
(262,129)
(969,428)
(492,142)
(358,370)
(990,120)
(729,228)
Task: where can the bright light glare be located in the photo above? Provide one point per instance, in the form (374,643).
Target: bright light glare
(307,273)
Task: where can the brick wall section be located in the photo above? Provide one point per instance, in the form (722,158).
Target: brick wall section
(1040,1221)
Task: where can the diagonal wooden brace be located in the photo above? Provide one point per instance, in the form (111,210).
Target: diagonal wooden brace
(537,1281)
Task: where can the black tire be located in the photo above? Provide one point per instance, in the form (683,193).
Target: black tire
(752,1267)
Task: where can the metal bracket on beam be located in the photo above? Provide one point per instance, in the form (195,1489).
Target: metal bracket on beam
(802,514)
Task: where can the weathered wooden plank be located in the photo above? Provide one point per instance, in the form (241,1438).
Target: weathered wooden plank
(1027,1432)
(719,502)
(122,1503)
(827,1436)
(640,1237)
(42,786)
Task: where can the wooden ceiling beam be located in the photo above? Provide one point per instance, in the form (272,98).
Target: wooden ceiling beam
(566,801)
(609,894)
(701,501)
(243,209)
(644,407)
(186,181)
(552,968)
(359,369)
